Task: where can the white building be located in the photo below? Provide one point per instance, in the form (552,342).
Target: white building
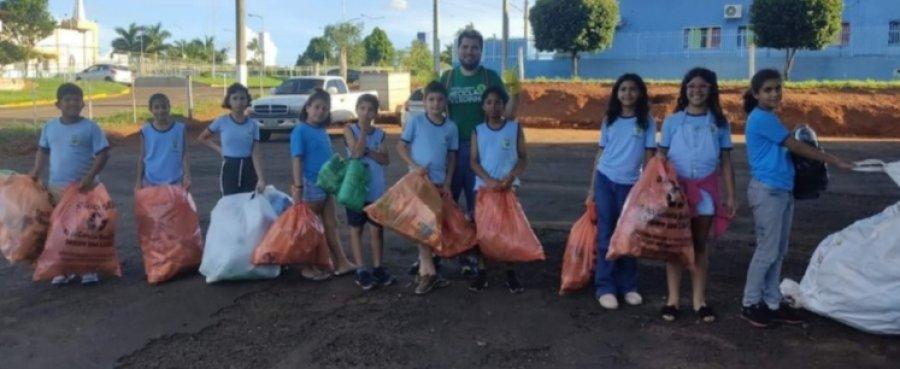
(73,46)
(270,50)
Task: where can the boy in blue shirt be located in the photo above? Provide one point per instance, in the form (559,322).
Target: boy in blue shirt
(78,151)
(428,145)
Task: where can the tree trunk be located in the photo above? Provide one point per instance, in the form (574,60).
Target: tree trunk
(575,63)
(789,56)
(344,63)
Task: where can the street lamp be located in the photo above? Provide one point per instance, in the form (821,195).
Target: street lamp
(262,49)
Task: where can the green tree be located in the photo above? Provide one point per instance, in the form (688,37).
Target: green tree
(25,22)
(10,53)
(420,63)
(574,26)
(130,39)
(156,36)
(447,54)
(318,51)
(345,38)
(254,46)
(378,47)
(791,25)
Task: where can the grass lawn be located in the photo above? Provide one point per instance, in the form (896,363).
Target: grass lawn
(45,89)
(252,81)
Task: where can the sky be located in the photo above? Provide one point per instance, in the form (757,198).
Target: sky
(293,22)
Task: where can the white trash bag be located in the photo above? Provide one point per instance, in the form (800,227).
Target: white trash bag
(238,223)
(854,275)
(875,165)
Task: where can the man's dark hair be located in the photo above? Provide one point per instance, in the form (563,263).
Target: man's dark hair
(470,34)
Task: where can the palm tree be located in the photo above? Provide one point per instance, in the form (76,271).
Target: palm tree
(180,49)
(156,38)
(129,40)
(257,51)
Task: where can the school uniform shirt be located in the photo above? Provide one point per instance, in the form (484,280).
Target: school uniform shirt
(498,150)
(374,140)
(237,139)
(624,143)
(770,161)
(312,144)
(163,153)
(429,143)
(695,143)
(72,149)
(464,96)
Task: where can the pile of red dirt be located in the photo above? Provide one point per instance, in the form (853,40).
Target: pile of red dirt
(831,112)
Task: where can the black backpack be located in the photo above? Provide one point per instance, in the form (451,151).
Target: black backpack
(811,176)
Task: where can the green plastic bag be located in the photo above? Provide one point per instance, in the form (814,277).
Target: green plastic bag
(332,174)
(355,187)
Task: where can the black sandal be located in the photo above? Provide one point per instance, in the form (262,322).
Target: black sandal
(669,313)
(706,314)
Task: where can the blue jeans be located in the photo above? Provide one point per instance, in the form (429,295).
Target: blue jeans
(616,276)
(773,211)
(464,177)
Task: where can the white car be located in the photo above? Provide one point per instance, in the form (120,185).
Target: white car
(106,72)
(280,112)
(414,105)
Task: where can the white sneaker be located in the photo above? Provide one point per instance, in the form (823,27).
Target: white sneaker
(62,279)
(90,278)
(633,298)
(609,301)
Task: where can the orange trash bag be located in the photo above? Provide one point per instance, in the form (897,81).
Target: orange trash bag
(504,234)
(457,231)
(580,257)
(296,237)
(82,236)
(25,208)
(169,230)
(655,221)
(413,208)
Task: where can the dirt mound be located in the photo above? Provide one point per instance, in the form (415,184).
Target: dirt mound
(856,112)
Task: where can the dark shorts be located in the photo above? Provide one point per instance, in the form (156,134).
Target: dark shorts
(238,176)
(358,219)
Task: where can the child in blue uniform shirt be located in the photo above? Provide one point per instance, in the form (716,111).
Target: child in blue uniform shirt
(365,141)
(78,151)
(428,145)
(163,156)
(697,140)
(498,157)
(627,140)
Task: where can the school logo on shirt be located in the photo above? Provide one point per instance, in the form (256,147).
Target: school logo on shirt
(74,140)
(506,144)
(175,146)
(638,131)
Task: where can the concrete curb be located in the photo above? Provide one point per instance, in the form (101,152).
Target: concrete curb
(51,102)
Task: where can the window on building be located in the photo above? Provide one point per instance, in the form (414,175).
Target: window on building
(843,38)
(702,38)
(894,32)
(744,37)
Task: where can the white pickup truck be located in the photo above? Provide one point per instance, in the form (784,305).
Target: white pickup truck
(280,111)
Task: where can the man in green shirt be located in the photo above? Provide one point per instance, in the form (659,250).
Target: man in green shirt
(465,84)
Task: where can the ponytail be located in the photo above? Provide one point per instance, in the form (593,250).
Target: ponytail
(750,102)
(756,83)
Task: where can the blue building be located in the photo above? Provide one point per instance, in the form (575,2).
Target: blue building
(661,39)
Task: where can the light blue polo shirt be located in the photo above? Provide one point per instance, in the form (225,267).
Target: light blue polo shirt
(770,161)
(237,138)
(624,143)
(374,140)
(429,144)
(72,149)
(312,144)
(163,152)
(695,143)
(498,151)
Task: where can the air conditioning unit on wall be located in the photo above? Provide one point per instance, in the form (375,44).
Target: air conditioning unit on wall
(734,11)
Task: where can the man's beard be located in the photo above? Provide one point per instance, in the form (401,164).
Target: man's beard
(471,65)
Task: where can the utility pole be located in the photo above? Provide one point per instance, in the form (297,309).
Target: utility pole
(525,45)
(437,42)
(241,47)
(504,49)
